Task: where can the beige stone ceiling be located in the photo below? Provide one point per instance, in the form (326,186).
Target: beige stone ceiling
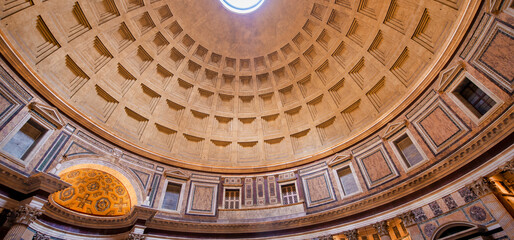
(189,83)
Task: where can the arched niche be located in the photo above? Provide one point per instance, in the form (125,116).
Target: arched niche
(457,230)
(134,188)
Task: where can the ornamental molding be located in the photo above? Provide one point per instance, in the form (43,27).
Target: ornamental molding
(25,184)
(51,114)
(501,127)
(26,214)
(381,228)
(351,234)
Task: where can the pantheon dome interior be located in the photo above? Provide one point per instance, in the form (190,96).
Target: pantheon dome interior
(256,119)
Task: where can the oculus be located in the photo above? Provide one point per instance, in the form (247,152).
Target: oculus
(242,6)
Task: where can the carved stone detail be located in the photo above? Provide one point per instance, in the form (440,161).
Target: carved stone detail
(351,234)
(508,166)
(481,187)
(41,236)
(381,228)
(407,218)
(26,214)
(135,236)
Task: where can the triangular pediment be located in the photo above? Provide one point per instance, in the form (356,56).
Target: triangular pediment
(51,114)
(394,127)
(447,75)
(339,159)
(176,174)
(77,149)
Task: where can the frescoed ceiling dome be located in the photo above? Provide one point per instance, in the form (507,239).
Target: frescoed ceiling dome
(93,192)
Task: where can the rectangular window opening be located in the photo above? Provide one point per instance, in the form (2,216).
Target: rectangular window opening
(478,102)
(347,180)
(24,141)
(408,151)
(172,196)
(231,198)
(289,194)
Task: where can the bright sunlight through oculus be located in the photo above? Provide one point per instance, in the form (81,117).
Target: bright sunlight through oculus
(242,6)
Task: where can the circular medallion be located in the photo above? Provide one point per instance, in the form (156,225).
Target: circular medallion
(102,204)
(67,194)
(477,213)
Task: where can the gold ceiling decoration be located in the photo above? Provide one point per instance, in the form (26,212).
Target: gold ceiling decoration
(93,192)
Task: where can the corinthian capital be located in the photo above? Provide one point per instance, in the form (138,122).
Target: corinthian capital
(407,218)
(381,228)
(26,214)
(351,234)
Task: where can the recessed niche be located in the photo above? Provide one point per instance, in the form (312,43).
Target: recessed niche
(173,112)
(225,103)
(337,20)
(288,95)
(260,63)
(319,107)
(263,81)
(274,59)
(176,58)
(268,102)
(271,124)
(275,148)
(245,65)
(344,54)
(208,78)
(164,13)
(246,84)
(198,121)
(192,70)
(187,42)
(174,29)
(308,86)
(181,89)
(163,137)
(222,126)
(146,98)
(296,118)
(203,98)
(327,72)
(230,64)
(227,82)
(246,104)
(160,42)
(312,55)
(220,150)
(200,52)
(162,76)
(215,60)
(281,77)
(143,22)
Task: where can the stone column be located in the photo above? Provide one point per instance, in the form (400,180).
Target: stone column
(351,234)
(410,224)
(24,215)
(484,189)
(382,229)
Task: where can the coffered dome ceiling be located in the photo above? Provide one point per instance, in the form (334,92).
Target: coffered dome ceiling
(191,84)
